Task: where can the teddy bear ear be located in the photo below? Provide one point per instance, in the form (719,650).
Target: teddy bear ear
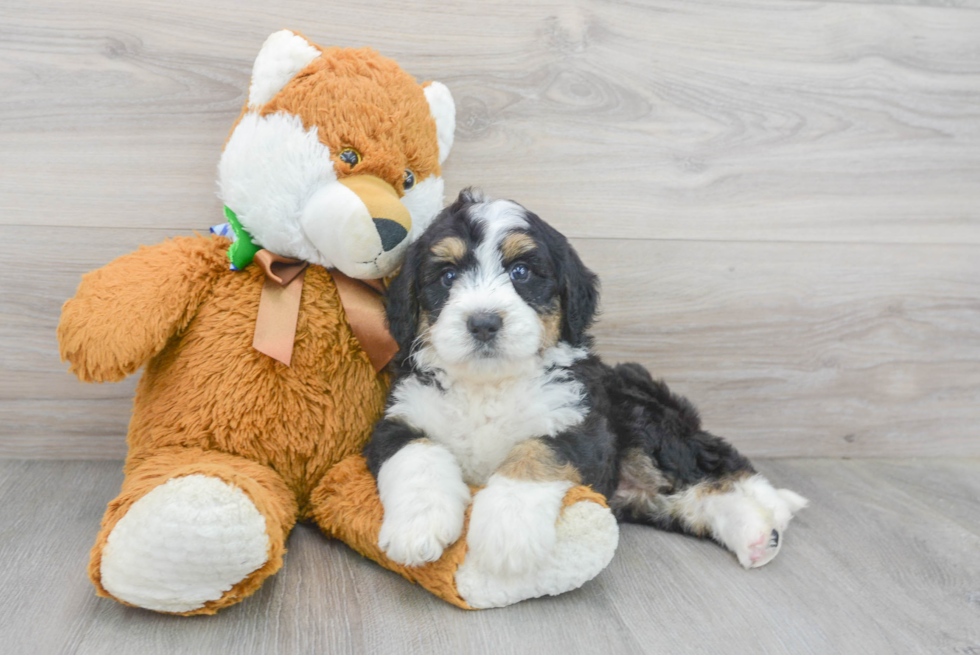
(283,55)
(444,112)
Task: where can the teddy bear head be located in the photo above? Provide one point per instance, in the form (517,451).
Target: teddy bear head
(335,159)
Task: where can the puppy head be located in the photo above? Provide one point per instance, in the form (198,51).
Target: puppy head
(487,288)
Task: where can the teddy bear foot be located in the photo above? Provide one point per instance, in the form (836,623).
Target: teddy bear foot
(587,536)
(183,544)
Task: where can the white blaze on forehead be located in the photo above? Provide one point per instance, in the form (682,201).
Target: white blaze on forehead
(499,218)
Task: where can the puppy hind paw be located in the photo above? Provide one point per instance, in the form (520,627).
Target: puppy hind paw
(761,551)
(794,502)
(783,503)
(752,519)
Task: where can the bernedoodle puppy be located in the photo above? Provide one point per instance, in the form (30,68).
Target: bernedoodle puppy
(497,386)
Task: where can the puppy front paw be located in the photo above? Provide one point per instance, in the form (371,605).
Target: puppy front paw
(416,537)
(512,526)
(425,500)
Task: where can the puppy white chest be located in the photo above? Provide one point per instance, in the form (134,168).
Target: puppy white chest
(481,423)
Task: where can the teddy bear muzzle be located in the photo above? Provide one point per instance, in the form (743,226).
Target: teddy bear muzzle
(359,224)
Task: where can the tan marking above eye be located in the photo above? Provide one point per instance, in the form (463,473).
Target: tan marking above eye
(450,249)
(516,244)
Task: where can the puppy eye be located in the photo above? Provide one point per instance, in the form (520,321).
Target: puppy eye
(520,273)
(350,157)
(448,276)
(409,180)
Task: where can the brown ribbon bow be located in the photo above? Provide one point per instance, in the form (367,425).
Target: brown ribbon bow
(275,326)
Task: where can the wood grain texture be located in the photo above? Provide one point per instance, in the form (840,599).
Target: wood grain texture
(781,196)
(958,4)
(758,120)
(884,561)
(814,349)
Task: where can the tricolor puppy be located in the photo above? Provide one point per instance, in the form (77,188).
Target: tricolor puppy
(497,386)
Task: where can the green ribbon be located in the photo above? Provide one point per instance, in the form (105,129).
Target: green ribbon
(242,252)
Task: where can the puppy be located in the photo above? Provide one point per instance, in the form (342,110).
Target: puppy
(496,386)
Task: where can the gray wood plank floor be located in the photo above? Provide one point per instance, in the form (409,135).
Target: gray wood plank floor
(781,196)
(886,560)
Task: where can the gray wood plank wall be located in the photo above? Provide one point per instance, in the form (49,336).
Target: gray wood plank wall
(782,197)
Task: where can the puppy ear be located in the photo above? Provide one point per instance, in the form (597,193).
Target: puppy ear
(579,290)
(401,304)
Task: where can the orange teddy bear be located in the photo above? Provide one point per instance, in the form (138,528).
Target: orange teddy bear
(262,380)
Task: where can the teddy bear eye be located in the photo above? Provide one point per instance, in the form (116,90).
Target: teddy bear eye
(409,181)
(350,157)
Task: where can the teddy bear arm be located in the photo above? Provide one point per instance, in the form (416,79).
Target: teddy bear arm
(125,312)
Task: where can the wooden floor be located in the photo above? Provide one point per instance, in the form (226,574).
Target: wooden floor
(886,560)
(782,197)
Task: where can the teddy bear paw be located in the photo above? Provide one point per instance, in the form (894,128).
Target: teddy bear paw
(186,542)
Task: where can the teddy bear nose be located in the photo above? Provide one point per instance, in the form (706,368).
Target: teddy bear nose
(391,232)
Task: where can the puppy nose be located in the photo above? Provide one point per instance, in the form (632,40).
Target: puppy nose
(391,232)
(484,325)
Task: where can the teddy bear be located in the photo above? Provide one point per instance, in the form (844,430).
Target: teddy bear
(263,348)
